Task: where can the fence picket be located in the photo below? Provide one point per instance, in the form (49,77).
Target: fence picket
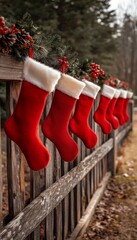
(67,187)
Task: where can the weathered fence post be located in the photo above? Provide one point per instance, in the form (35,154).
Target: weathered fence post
(131,113)
(112,155)
(0,174)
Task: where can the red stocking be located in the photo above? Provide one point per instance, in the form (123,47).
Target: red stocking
(100,114)
(119,107)
(22,126)
(79,124)
(125,113)
(55,126)
(109,115)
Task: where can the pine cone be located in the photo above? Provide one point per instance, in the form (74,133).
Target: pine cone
(21,38)
(5,49)
(8,40)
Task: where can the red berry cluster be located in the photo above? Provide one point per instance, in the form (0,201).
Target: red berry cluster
(64,64)
(113,82)
(4,30)
(124,85)
(96,71)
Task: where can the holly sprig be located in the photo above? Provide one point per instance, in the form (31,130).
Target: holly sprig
(14,39)
(98,75)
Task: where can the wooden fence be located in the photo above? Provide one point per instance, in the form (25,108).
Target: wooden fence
(58,201)
(135,103)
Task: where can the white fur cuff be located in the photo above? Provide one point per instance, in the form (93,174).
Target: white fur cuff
(40,75)
(90,89)
(117,93)
(108,91)
(70,86)
(129,94)
(123,94)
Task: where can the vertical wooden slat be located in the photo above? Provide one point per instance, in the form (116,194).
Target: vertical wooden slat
(49,177)
(112,155)
(58,210)
(92,182)
(88,188)
(49,171)
(65,204)
(95,178)
(72,203)
(35,191)
(14,159)
(0,174)
(78,192)
(83,182)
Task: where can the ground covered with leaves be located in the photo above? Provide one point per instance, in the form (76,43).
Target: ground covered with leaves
(116,214)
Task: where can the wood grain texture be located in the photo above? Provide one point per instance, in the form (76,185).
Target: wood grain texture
(123,133)
(1,180)
(38,209)
(49,175)
(90,210)
(112,155)
(10,68)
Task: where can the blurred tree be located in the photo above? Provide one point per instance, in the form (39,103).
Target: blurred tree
(87,26)
(126,56)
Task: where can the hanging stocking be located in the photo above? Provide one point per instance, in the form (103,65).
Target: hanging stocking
(119,107)
(125,109)
(79,124)
(109,115)
(100,114)
(55,126)
(22,126)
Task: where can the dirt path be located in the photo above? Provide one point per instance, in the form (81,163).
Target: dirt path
(116,215)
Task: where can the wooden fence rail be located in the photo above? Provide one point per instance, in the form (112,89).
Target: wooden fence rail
(58,201)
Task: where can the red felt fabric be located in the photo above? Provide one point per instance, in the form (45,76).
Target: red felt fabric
(55,126)
(23,126)
(109,115)
(100,115)
(79,124)
(125,110)
(118,110)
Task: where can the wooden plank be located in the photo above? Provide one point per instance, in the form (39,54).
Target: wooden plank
(112,155)
(58,210)
(49,176)
(92,183)
(72,211)
(10,68)
(35,191)
(65,205)
(90,210)
(83,182)
(38,209)
(16,192)
(131,111)
(88,187)
(78,192)
(72,205)
(123,133)
(1,184)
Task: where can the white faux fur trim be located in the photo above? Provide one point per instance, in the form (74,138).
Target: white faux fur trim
(117,93)
(40,75)
(90,89)
(70,86)
(108,91)
(129,94)
(123,94)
